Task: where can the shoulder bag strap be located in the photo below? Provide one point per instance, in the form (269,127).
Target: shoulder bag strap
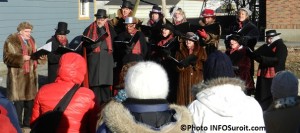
(64,102)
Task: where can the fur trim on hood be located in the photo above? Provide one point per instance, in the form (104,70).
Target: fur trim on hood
(217,82)
(118,119)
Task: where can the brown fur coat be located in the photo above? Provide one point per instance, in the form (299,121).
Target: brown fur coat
(20,86)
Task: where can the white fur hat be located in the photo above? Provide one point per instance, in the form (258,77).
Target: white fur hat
(147,80)
(246,10)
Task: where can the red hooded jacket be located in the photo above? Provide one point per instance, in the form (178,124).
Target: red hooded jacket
(81,113)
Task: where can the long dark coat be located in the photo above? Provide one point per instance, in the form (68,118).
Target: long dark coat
(53,59)
(160,55)
(240,60)
(275,59)
(19,86)
(250,33)
(100,64)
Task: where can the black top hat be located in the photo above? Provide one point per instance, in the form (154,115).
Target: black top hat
(156,9)
(127,4)
(101,13)
(271,33)
(62,28)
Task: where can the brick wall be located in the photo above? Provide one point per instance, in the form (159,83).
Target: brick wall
(283,14)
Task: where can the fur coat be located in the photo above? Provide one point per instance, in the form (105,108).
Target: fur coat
(20,86)
(190,75)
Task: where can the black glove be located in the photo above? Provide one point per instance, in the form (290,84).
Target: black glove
(129,48)
(190,60)
(166,52)
(253,55)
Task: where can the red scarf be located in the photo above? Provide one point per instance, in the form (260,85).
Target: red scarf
(31,43)
(92,33)
(163,42)
(137,47)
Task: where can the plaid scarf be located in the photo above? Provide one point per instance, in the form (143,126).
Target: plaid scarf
(31,43)
(92,33)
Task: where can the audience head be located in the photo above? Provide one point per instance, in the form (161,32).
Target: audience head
(72,67)
(217,65)
(146,80)
(284,84)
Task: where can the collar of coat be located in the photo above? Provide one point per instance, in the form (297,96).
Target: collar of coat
(217,82)
(118,119)
(14,39)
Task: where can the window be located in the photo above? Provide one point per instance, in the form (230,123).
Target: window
(84,9)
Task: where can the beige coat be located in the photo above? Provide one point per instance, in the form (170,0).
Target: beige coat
(20,86)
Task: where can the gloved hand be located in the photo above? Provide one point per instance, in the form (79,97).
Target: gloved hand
(202,33)
(253,55)
(129,48)
(189,60)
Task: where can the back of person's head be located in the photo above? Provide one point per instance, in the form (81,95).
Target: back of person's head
(6,125)
(217,65)
(284,84)
(72,67)
(146,80)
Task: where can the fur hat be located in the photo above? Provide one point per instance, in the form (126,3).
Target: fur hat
(146,80)
(284,84)
(217,65)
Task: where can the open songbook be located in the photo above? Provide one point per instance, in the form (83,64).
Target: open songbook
(133,39)
(89,40)
(47,48)
(43,50)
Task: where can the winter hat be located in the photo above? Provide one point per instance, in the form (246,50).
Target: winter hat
(146,80)
(191,36)
(238,38)
(217,65)
(284,84)
(208,13)
(246,10)
(62,28)
(156,9)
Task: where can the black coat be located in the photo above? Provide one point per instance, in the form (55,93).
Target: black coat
(123,53)
(53,59)
(100,64)
(268,58)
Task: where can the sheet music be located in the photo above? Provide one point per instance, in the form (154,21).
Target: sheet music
(47,47)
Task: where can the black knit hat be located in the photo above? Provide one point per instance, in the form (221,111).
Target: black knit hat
(217,65)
